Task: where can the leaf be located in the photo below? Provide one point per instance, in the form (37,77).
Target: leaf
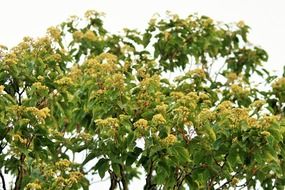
(102,166)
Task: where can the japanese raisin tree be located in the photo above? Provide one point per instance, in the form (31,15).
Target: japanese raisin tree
(176,105)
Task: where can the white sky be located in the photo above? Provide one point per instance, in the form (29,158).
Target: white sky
(19,18)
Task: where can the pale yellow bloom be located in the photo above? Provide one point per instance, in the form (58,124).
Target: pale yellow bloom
(231,76)
(158,119)
(238,90)
(279,83)
(55,33)
(39,86)
(161,108)
(89,35)
(141,124)
(265,133)
(170,139)
(241,24)
(1,89)
(34,185)
(77,36)
(63,163)
(108,122)
(64,81)
(197,72)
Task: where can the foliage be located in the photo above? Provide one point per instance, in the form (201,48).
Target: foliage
(84,92)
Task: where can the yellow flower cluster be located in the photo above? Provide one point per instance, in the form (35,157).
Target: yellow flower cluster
(265,133)
(182,113)
(74,177)
(231,76)
(77,36)
(205,115)
(177,95)
(258,103)
(17,137)
(54,58)
(54,33)
(225,105)
(34,185)
(279,84)
(39,86)
(189,100)
(170,139)
(90,35)
(41,114)
(197,73)
(161,108)
(109,122)
(268,120)
(108,57)
(241,24)
(64,81)
(1,89)
(91,13)
(239,90)
(141,124)
(11,59)
(63,164)
(158,119)
(117,80)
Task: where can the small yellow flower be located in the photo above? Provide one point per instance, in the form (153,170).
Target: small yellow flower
(170,139)
(238,90)
(265,133)
(141,124)
(34,186)
(77,36)
(197,73)
(158,119)
(55,33)
(89,35)
(39,86)
(241,24)
(64,81)
(258,103)
(63,164)
(161,108)
(234,181)
(231,76)
(1,89)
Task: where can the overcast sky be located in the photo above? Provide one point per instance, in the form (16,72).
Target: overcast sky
(19,18)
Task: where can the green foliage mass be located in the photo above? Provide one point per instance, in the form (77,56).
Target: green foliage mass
(108,98)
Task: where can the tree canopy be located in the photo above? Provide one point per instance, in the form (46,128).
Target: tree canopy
(186,103)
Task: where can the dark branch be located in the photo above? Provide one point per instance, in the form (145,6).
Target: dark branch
(3,181)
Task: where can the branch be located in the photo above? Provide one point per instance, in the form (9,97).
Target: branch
(3,180)
(148,184)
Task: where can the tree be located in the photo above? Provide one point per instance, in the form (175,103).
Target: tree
(83,92)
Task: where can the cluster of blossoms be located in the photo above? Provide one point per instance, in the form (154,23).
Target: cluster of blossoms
(239,91)
(39,86)
(198,72)
(61,164)
(64,81)
(36,185)
(54,33)
(1,89)
(169,140)
(279,84)
(158,119)
(141,124)
(108,122)
(231,76)
(18,137)
(41,114)
(205,116)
